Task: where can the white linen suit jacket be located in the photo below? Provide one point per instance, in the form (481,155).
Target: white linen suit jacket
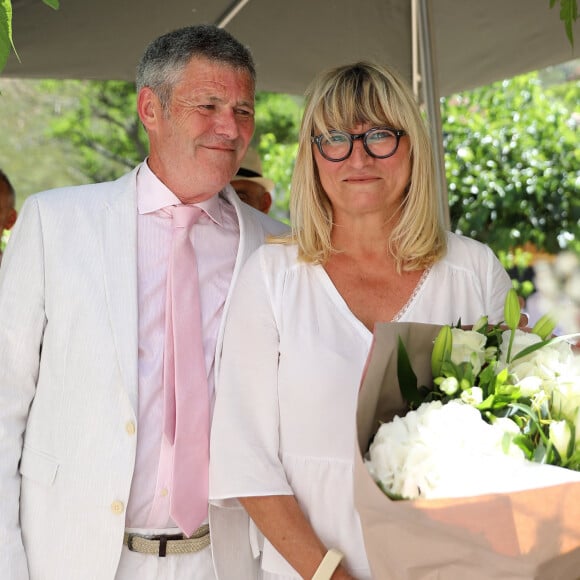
(68,377)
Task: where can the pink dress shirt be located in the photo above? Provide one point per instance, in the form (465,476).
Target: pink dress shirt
(216,237)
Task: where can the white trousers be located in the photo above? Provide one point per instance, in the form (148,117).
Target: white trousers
(136,566)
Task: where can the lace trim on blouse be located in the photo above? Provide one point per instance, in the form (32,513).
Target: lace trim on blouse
(416,291)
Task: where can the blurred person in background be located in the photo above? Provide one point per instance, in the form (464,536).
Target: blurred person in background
(8,213)
(250,185)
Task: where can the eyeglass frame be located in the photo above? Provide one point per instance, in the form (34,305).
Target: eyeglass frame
(352,137)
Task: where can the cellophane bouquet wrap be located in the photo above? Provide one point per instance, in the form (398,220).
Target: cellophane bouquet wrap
(473,452)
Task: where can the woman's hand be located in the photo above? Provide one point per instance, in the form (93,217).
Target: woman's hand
(342,574)
(281,520)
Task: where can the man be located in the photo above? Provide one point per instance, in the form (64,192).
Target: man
(87,472)
(250,185)
(7,212)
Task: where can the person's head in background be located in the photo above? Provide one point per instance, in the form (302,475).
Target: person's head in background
(7,200)
(251,187)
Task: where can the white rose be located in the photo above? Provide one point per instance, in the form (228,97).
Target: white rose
(506,431)
(472,396)
(468,346)
(547,363)
(449,385)
(521,340)
(426,452)
(529,385)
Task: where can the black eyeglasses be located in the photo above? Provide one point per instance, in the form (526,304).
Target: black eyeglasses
(379,142)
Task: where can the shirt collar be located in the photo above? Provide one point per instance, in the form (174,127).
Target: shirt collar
(153,195)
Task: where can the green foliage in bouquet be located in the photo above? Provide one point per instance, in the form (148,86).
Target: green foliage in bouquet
(535,385)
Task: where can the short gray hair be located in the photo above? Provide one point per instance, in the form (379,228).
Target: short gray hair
(165,58)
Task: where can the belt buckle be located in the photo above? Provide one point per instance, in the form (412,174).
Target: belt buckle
(130,537)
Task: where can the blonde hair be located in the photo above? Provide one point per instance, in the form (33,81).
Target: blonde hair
(342,98)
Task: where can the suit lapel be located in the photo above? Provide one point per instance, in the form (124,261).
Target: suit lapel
(119,227)
(251,236)
(251,231)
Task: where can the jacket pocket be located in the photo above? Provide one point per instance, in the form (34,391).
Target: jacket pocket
(38,466)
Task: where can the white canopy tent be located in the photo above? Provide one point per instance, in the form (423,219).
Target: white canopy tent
(441,46)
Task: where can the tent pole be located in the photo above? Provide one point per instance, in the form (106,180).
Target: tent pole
(430,89)
(230,13)
(416,75)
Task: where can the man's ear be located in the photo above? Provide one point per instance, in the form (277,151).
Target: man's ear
(11,219)
(148,107)
(266,202)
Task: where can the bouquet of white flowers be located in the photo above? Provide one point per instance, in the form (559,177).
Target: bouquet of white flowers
(490,432)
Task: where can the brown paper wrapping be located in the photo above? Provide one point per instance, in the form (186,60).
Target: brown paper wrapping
(526,535)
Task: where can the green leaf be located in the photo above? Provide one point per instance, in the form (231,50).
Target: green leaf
(6,39)
(390,494)
(502,377)
(543,453)
(569,14)
(406,376)
(6,43)
(525,444)
(486,405)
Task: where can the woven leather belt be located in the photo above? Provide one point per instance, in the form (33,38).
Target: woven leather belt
(168,544)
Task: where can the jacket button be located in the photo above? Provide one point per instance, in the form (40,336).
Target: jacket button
(130,427)
(117,507)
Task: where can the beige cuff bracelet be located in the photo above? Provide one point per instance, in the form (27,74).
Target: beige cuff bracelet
(329,564)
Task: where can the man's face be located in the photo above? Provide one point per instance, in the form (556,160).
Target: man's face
(253,194)
(7,211)
(197,145)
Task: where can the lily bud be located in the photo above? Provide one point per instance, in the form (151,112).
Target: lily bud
(441,350)
(544,327)
(481,324)
(512,310)
(560,435)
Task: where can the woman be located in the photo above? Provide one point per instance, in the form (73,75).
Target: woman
(366,246)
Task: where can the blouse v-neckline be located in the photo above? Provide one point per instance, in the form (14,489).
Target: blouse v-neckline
(340,302)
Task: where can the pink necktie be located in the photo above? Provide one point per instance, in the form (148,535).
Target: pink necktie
(186,399)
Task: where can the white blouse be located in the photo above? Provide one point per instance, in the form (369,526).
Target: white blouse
(293,357)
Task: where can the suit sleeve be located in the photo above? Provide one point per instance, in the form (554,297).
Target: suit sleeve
(22,323)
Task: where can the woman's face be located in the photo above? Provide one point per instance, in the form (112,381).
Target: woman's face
(362,184)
